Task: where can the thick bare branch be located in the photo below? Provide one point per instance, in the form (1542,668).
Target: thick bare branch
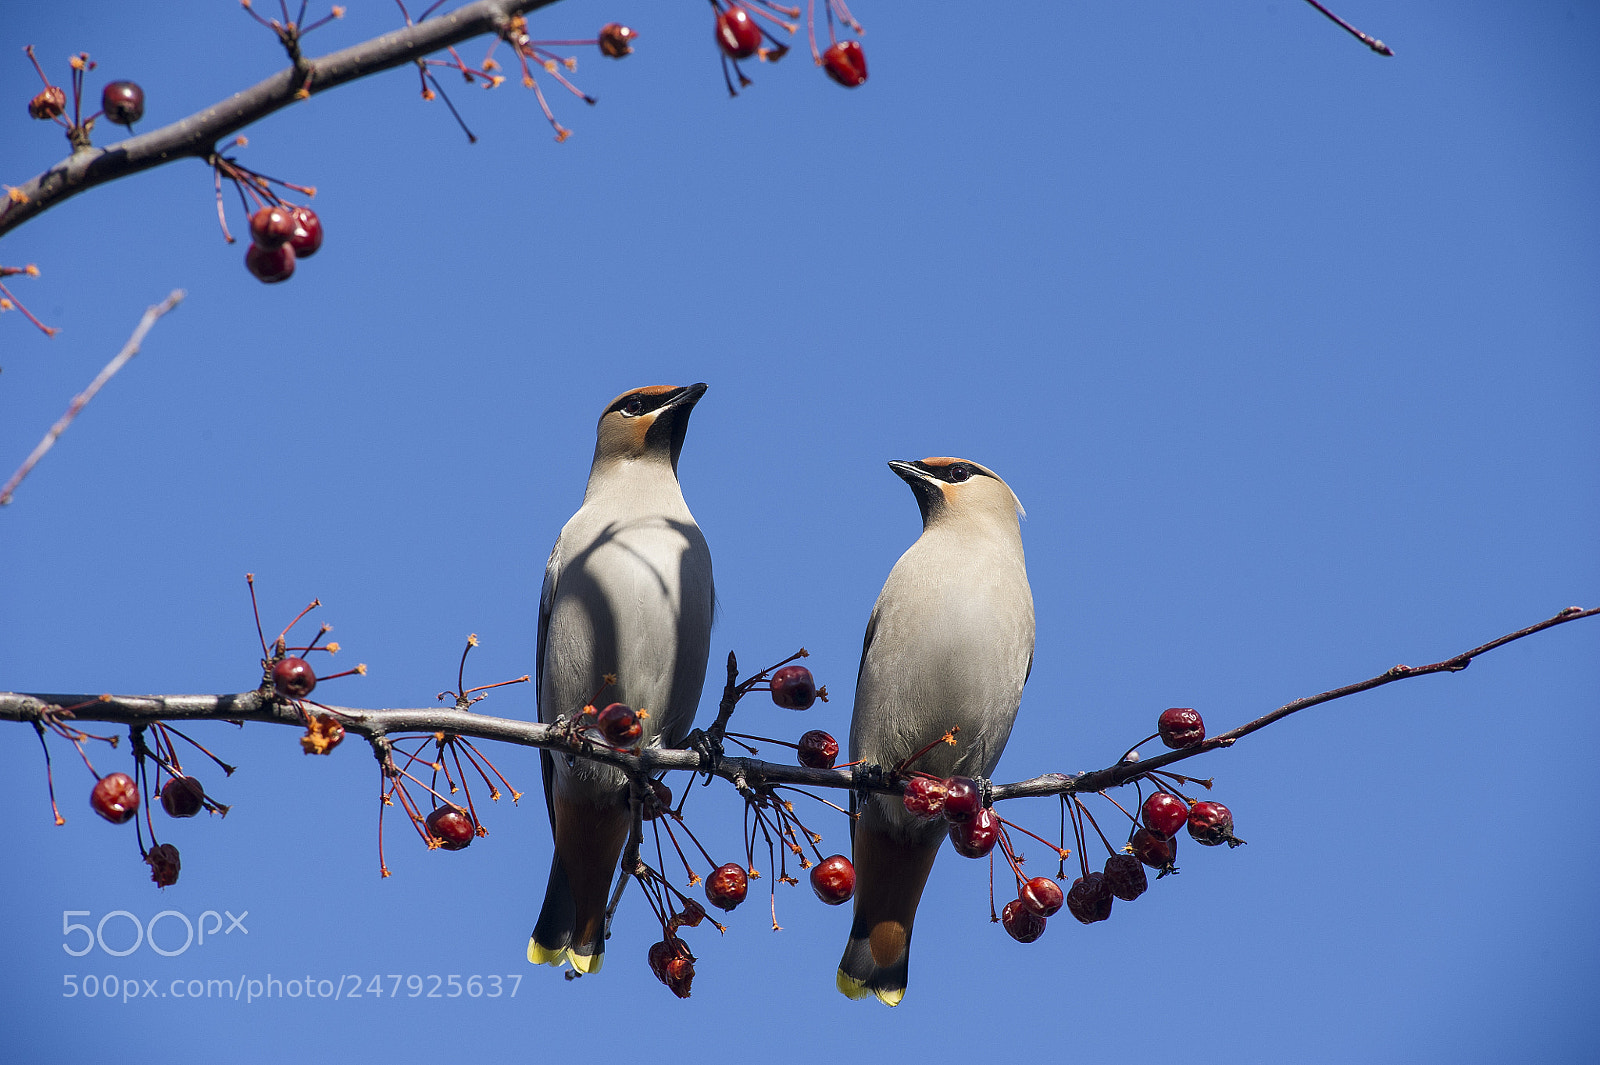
(197,135)
(378,726)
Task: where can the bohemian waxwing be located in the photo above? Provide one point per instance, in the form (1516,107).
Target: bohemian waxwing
(627,592)
(950,643)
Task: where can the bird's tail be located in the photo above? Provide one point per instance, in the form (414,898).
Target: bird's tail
(890,876)
(572,922)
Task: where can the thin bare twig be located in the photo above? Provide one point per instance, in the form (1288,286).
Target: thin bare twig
(1365,38)
(81,400)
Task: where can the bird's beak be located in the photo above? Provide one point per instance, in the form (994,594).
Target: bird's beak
(909,472)
(685,397)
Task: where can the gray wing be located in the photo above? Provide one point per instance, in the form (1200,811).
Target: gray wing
(547,597)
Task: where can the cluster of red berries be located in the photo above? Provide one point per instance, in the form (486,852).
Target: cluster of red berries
(740,36)
(115,797)
(280,235)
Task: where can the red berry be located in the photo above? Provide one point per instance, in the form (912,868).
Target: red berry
(1041,895)
(164,864)
(451,826)
(726,886)
(793,688)
(1155,850)
(663,801)
(673,965)
(292,677)
(846,63)
(115,797)
(925,797)
(818,750)
(182,797)
(270,265)
(616,40)
(620,725)
(962,799)
(1021,923)
(737,33)
(123,102)
(271,227)
(307,233)
(1180,727)
(1126,877)
(834,880)
(976,837)
(1165,813)
(51,101)
(1211,824)
(1089,899)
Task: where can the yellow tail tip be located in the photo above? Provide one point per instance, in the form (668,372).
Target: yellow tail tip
(850,987)
(544,956)
(586,963)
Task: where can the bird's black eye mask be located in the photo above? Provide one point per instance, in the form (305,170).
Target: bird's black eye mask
(636,403)
(952,473)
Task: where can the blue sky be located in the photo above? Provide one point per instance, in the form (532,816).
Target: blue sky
(1288,349)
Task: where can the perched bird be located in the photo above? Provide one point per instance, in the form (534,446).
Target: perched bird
(627,592)
(950,643)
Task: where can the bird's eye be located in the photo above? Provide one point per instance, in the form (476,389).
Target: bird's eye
(634,407)
(959,472)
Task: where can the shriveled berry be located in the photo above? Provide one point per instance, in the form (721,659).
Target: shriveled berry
(924,796)
(976,836)
(620,725)
(1089,899)
(846,63)
(115,797)
(1211,824)
(834,880)
(50,102)
(270,265)
(1126,877)
(737,33)
(307,233)
(962,799)
(727,886)
(123,102)
(616,40)
(322,735)
(182,797)
(1041,895)
(271,226)
(1180,727)
(793,688)
(1021,923)
(164,864)
(293,678)
(1155,850)
(692,914)
(663,801)
(451,826)
(673,965)
(818,750)
(1165,813)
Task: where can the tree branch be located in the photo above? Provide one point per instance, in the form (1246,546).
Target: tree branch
(197,135)
(377,726)
(81,400)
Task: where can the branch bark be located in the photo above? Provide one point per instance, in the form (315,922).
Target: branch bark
(197,135)
(378,726)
